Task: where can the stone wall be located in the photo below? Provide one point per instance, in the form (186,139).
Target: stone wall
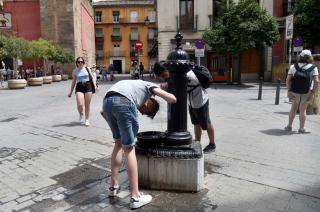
(61,22)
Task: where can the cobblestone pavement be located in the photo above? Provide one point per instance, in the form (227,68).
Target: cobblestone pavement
(50,162)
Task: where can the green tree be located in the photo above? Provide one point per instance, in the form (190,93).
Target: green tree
(306,23)
(242,27)
(3,51)
(16,48)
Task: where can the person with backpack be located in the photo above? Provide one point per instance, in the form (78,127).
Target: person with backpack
(198,79)
(302,82)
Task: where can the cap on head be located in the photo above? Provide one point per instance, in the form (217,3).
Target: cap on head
(306,53)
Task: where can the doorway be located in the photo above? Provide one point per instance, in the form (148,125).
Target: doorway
(117,66)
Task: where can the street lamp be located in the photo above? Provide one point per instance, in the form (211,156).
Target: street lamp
(147,21)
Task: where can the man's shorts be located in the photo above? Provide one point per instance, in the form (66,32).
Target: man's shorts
(122,118)
(301,98)
(83,87)
(200,116)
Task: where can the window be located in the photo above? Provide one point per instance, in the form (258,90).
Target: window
(134,16)
(116,16)
(134,33)
(99,32)
(116,50)
(99,47)
(98,15)
(186,14)
(152,16)
(116,32)
(151,34)
(219,7)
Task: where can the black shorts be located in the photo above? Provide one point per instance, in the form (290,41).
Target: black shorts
(200,116)
(83,87)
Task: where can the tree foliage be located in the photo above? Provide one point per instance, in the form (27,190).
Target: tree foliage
(243,26)
(19,48)
(307,16)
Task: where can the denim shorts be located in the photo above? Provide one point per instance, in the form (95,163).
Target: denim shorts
(122,118)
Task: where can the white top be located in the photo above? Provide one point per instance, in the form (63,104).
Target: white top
(304,67)
(198,96)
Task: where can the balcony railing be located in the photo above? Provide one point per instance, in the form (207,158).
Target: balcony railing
(116,37)
(123,20)
(99,53)
(116,53)
(134,37)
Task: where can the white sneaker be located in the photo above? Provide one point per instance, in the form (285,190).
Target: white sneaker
(141,201)
(87,123)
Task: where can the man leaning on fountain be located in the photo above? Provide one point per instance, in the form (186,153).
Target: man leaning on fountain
(120,107)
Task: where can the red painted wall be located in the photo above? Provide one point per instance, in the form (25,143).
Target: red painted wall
(278,52)
(25,21)
(25,18)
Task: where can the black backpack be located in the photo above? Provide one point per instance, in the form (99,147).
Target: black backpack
(302,80)
(203,75)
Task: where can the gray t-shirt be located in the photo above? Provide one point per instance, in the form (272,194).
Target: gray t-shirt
(137,91)
(198,96)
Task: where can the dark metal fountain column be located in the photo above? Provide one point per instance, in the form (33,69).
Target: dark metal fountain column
(178,65)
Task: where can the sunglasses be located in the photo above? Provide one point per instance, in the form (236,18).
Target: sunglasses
(80,62)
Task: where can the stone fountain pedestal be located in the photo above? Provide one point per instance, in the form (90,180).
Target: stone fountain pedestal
(170,168)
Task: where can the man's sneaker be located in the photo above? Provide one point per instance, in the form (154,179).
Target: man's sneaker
(288,128)
(209,148)
(303,131)
(87,123)
(113,191)
(141,201)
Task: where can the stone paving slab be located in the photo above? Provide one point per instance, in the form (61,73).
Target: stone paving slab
(50,162)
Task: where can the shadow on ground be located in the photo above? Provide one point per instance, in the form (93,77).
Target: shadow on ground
(71,124)
(277,132)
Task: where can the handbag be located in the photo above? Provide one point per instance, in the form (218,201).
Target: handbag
(91,81)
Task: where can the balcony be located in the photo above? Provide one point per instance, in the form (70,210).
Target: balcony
(99,53)
(116,53)
(116,37)
(134,37)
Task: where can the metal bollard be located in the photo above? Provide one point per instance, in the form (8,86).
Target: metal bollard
(260,89)
(278,92)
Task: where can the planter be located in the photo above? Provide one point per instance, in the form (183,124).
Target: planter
(65,77)
(56,78)
(17,83)
(47,80)
(35,81)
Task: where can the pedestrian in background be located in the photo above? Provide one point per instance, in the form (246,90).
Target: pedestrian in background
(198,105)
(111,71)
(302,82)
(81,79)
(120,107)
(141,69)
(104,74)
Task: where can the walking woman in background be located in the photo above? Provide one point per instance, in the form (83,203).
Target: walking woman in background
(81,78)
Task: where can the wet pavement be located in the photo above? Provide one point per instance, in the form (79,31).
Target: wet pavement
(50,162)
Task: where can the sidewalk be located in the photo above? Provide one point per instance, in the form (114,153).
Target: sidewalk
(49,162)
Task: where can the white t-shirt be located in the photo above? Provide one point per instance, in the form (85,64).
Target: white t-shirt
(304,67)
(198,96)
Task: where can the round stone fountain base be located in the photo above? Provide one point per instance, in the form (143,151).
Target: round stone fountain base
(165,167)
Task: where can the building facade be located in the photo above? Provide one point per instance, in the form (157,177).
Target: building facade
(191,17)
(119,25)
(69,23)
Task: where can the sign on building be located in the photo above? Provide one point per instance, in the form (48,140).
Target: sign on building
(5,21)
(289,27)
